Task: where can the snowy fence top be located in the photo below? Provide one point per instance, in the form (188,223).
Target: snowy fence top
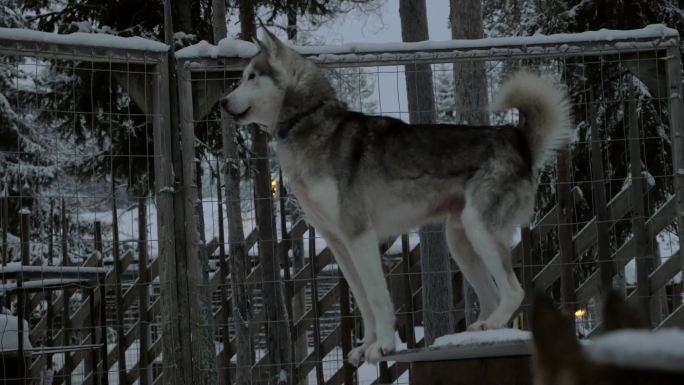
(84,46)
(368,54)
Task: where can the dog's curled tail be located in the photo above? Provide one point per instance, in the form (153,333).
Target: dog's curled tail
(546,119)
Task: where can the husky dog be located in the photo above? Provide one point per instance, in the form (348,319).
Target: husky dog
(361,178)
(621,355)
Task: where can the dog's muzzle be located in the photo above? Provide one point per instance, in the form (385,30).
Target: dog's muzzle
(236,116)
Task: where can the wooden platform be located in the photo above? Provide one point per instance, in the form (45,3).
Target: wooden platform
(500,363)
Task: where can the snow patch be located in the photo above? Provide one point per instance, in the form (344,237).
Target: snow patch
(9,333)
(659,350)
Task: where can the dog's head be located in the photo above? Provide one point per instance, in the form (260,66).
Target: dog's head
(558,358)
(260,95)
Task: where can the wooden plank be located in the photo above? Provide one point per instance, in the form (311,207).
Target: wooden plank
(586,237)
(675,319)
(329,300)
(665,271)
(654,225)
(486,371)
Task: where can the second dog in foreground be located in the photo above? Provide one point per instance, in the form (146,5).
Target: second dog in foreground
(625,354)
(362,178)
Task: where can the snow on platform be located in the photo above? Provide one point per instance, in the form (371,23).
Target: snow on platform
(643,349)
(482,344)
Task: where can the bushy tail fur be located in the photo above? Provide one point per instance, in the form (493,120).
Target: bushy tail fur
(545,113)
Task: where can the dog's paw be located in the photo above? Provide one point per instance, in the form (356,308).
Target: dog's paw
(377,350)
(356,355)
(479,326)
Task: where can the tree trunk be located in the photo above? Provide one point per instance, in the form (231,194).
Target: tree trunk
(183,15)
(470,78)
(435,265)
(218,20)
(470,94)
(278,339)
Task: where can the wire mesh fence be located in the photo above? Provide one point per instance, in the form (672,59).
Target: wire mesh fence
(192,236)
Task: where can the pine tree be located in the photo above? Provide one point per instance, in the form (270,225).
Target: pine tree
(444,95)
(27,147)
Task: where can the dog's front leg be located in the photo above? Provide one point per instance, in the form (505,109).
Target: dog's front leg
(365,256)
(344,261)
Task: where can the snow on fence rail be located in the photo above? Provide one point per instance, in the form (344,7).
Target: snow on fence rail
(600,219)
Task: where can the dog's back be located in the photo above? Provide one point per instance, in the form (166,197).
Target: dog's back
(620,356)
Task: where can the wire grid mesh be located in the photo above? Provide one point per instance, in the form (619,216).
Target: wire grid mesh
(115,114)
(606,90)
(78,217)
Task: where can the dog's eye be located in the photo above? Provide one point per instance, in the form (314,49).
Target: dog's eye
(251,76)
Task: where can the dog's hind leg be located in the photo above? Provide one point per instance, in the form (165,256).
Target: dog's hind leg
(344,261)
(486,239)
(365,255)
(472,266)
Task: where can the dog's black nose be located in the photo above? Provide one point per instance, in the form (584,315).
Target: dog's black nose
(224,103)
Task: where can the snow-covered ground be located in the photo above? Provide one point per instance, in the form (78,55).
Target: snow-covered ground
(482,337)
(9,333)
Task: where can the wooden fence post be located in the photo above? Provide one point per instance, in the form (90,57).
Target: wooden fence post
(22,312)
(201,316)
(176,365)
(314,305)
(598,193)
(565,229)
(226,353)
(103,374)
(118,295)
(642,240)
(239,260)
(66,323)
(145,375)
(527,274)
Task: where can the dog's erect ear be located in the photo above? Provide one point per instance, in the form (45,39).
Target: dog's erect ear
(555,343)
(619,315)
(260,44)
(271,43)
